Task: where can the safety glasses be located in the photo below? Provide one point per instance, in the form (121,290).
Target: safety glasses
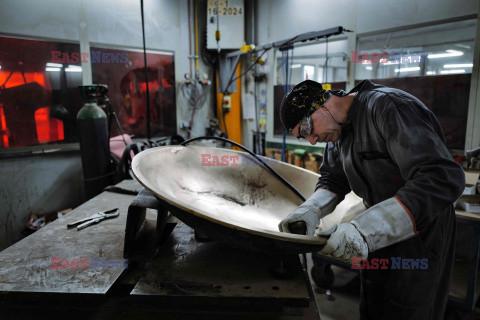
(305,129)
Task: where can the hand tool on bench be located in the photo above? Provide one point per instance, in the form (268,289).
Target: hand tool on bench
(96,218)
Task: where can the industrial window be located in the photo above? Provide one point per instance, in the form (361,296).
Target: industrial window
(428,51)
(38,92)
(432,63)
(322,62)
(124,73)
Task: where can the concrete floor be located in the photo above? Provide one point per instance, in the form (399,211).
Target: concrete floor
(346,290)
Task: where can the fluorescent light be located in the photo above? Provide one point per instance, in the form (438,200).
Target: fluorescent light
(56,65)
(407,69)
(73,69)
(452,71)
(431,73)
(369,68)
(463,46)
(52,69)
(389,63)
(293,66)
(308,72)
(0,67)
(459,65)
(450,53)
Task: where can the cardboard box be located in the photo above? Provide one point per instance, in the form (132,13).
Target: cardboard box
(470,203)
(471,181)
(471,176)
(274,153)
(311,163)
(290,157)
(469,189)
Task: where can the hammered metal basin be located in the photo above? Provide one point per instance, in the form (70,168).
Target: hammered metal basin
(228,195)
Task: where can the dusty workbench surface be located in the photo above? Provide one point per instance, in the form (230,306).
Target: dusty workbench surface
(26,266)
(188,279)
(188,272)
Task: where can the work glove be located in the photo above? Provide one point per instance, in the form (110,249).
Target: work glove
(321,203)
(382,225)
(347,210)
(344,242)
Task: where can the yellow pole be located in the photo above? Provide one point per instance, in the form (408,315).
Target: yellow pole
(196,38)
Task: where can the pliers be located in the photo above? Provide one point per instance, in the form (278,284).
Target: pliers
(96,218)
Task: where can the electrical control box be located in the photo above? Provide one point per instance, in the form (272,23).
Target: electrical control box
(227,103)
(231,23)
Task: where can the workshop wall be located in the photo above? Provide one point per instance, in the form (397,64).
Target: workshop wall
(374,15)
(277,22)
(49,183)
(36,185)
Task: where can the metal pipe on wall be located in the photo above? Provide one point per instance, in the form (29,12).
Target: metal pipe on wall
(190,36)
(197,63)
(149,130)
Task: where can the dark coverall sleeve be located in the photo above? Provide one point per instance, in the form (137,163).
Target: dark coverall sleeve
(415,142)
(333,176)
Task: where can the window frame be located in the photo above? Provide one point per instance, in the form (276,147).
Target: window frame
(46,149)
(41,149)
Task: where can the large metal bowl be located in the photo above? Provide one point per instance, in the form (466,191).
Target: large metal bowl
(234,199)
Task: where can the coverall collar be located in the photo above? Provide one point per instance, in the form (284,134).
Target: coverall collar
(362,86)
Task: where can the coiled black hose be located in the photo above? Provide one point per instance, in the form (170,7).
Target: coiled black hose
(253,155)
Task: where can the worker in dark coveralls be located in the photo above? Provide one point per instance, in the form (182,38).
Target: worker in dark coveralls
(387,147)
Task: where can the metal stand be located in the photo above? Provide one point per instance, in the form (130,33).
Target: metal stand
(143,237)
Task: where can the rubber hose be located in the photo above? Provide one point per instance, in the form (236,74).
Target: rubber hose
(253,155)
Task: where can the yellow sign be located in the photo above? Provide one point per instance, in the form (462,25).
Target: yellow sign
(327,86)
(247,48)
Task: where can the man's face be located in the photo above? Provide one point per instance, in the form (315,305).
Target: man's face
(325,129)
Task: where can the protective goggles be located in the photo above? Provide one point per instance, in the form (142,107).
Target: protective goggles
(305,129)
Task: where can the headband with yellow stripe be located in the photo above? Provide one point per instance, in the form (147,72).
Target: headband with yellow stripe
(303,100)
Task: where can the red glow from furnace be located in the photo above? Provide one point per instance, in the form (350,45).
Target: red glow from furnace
(48,129)
(3,128)
(16,79)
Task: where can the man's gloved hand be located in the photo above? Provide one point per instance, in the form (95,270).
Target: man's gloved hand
(382,225)
(321,203)
(344,243)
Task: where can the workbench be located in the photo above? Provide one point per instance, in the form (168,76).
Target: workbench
(464,286)
(187,279)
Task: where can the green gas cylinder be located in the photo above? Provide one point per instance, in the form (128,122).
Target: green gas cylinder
(94,142)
